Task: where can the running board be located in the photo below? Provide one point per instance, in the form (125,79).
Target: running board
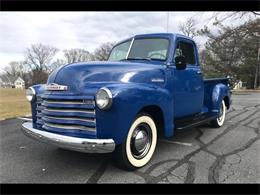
(194,122)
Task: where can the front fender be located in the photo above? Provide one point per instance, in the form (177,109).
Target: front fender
(128,100)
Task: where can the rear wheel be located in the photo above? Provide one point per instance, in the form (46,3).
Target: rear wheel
(218,122)
(139,146)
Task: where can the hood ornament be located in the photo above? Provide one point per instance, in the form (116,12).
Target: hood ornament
(56,87)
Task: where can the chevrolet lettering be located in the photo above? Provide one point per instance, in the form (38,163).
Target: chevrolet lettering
(56,87)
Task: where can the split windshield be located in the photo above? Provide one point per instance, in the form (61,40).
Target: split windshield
(141,49)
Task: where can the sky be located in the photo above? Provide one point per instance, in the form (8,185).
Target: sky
(87,30)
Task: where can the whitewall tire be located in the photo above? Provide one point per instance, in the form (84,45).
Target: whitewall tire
(218,122)
(140,144)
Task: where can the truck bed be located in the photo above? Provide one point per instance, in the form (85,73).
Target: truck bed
(216,80)
(206,115)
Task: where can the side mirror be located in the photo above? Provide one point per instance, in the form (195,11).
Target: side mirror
(180,62)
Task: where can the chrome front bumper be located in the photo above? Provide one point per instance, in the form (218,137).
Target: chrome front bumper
(70,143)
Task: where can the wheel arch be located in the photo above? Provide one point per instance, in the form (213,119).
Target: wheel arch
(220,92)
(227,101)
(157,115)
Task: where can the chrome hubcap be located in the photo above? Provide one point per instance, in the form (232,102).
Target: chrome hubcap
(141,141)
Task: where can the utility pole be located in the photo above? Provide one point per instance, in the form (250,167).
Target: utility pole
(258,68)
(167,24)
(257,76)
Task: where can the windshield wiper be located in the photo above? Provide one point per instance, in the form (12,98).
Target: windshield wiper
(157,59)
(126,59)
(148,59)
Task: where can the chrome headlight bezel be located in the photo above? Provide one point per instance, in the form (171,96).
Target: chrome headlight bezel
(30,94)
(105,95)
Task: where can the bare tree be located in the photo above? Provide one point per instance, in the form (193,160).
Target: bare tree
(188,28)
(56,64)
(38,77)
(221,17)
(77,55)
(101,53)
(39,56)
(19,69)
(15,68)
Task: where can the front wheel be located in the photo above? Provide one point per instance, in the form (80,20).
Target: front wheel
(218,122)
(139,146)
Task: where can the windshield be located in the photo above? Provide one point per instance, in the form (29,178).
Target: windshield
(147,49)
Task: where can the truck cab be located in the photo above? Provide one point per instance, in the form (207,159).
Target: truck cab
(151,84)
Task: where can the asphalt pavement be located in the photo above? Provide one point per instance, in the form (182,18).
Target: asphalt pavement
(229,154)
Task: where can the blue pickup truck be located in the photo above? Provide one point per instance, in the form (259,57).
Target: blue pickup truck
(151,85)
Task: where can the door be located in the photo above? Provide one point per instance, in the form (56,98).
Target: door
(188,83)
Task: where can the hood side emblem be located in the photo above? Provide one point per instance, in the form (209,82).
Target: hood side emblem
(157,80)
(56,87)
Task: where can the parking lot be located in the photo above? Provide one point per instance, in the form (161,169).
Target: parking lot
(229,154)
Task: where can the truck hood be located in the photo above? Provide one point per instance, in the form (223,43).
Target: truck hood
(81,76)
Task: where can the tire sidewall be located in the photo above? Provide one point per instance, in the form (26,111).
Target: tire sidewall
(220,123)
(137,163)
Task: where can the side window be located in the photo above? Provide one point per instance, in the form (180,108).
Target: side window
(187,50)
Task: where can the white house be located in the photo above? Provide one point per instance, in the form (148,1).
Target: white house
(19,83)
(238,85)
(7,81)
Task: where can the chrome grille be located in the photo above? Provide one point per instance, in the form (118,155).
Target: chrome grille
(72,113)
(69,110)
(70,127)
(39,108)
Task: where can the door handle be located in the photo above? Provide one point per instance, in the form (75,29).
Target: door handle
(199,72)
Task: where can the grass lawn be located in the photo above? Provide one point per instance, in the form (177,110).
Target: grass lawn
(13,103)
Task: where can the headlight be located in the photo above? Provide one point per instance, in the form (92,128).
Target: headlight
(30,94)
(104,98)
